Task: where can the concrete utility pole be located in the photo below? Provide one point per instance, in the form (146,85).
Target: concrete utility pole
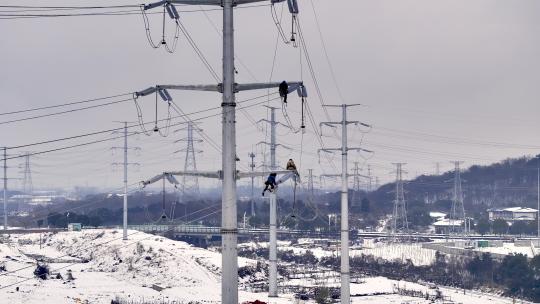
(399,216)
(125,219)
(458,209)
(345,274)
(252,166)
(169,176)
(537,195)
(228,88)
(125,165)
(272,250)
(5,189)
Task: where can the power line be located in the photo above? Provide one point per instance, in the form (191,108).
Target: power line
(134,125)
(113,138)
(332,73)
(63,104)
(65,112)
(11,16)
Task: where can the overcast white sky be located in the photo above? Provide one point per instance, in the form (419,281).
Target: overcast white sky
(440,81)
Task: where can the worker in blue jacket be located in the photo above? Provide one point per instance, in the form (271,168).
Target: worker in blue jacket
(270,183)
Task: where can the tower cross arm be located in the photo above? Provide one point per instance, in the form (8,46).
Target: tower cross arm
(277,145)
(203,2)
(261,174)
(195,87)
(275,123)
(329,150)
(293,86)
(170,176)
(329,123)
(359,149)
(217,87)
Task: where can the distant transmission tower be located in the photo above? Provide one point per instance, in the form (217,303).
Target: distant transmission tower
(252,166)
(356,185)
(27,186)
(370,179)
(458,210)
(399,216)
(310,188)
(190,184)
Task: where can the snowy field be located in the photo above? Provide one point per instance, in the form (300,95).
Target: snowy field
(105,267)
(509,248)
(388,251)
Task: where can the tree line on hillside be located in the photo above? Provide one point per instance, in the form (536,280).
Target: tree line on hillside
(516,275)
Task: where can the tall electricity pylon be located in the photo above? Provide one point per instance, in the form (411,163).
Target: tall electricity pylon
(458,210)
(399,216)
(345,274)
(125,165)
(190,184)
(228,88)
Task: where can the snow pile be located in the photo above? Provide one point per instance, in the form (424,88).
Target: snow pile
(509,248)
(105,266)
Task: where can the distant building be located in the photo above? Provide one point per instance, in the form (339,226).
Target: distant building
(74,227)
(513,214)
(444,226)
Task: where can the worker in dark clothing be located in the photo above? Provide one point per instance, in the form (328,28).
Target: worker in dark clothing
(283,90)
(291,165)
(270,183)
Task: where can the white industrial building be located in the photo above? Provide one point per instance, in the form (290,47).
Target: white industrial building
(513,214)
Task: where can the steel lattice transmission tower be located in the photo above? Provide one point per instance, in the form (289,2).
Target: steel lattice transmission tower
(370,180)
(190,184)
(399,216)
(356,185)
(252,167)
(310,187)
(458,210)
(27,186)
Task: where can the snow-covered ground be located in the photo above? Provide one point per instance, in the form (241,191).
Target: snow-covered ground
(105,267)
(509,248)
(387,251)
